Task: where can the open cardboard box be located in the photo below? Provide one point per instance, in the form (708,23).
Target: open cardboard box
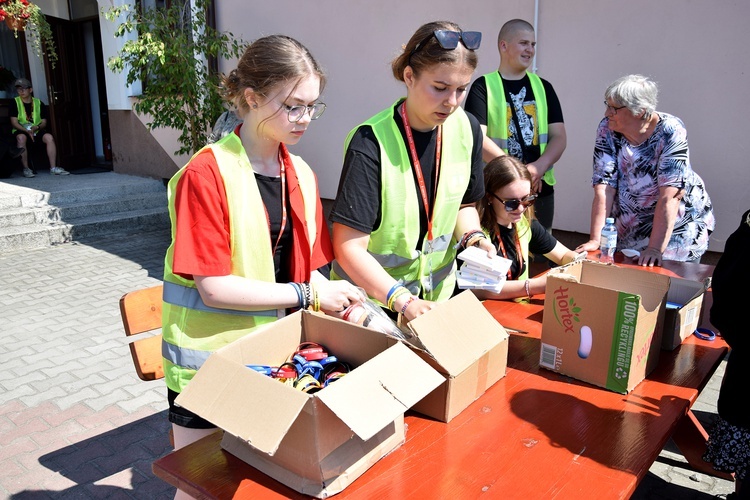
(602,323)
(315,443)
(463,342)
(680,322)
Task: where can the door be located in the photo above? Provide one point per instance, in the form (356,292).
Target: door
(69,99)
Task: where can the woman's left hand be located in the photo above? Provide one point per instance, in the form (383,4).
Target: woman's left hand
(650,257)
(488,247)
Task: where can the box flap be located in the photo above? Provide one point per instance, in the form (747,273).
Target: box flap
(457,332)
(682,291)
(243,402)
(378,391)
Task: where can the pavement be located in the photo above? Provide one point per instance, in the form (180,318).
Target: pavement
(76,422)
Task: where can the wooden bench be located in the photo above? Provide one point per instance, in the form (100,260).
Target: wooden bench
(141,316)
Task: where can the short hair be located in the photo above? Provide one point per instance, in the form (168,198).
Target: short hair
(636,92)
(430,52)
(266,64)
(511,28)
(498,173)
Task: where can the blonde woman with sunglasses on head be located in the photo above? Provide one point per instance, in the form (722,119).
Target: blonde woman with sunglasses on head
(507,215)
(412,176)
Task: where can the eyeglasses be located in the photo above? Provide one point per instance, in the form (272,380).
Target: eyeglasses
(296,113)
(511,205)
(613,109)
(448,40)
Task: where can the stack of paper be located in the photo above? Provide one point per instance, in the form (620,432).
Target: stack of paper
(482,272)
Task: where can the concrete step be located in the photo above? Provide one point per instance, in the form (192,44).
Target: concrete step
(49,210)
(48,214)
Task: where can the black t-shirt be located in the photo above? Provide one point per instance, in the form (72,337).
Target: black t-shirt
(541,243)
(358,200)
(270,193)
(519,97)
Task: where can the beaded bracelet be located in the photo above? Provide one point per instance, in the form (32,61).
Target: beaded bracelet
(469,235)
(406,304)
(528,289)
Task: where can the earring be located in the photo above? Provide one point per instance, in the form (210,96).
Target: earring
(255,106)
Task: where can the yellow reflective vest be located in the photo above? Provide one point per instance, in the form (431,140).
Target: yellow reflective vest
(497,115)
(191,330)
(429,270)
(36,113)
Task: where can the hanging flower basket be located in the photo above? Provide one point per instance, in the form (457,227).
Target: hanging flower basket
(22,15)
(15,23)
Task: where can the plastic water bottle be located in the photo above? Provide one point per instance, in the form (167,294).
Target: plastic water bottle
(608,242)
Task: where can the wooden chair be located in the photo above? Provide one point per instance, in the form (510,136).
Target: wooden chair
(141,314)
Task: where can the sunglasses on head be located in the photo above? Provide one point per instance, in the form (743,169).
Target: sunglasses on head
(448,40)
(511,205)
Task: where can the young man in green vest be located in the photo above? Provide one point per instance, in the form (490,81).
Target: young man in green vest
(520,114)
(29,120)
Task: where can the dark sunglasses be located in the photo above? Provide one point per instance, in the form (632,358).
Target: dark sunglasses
(511,205)
(448,40)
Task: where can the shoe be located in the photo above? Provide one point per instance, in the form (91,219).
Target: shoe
(16,152)
(58,171)
(27,172)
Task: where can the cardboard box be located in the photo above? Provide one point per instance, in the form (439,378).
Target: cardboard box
(462,341)
(684,307)
(315,443)
(602,323)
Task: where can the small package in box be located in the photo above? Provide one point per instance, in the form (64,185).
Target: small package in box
(602,324)
(461,340)
(684,307)
(314,443)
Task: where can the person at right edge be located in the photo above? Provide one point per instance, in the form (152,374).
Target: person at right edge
(728,445)
(520,114)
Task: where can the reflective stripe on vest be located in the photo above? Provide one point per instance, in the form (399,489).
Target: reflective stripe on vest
(498,120)
(36,112)
(394,242)
(191,331)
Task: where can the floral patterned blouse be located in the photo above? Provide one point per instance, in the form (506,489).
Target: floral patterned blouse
(637,172)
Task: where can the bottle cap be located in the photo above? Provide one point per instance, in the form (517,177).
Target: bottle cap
(610,220)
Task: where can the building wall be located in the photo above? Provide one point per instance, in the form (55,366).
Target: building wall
(694,49)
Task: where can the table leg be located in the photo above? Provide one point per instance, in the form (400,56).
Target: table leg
(690,437)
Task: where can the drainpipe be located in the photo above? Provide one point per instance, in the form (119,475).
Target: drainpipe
(536,30)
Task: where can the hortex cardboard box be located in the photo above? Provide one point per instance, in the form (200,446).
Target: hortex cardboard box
(461,340)
(684,307)
(602,324)
(314,443)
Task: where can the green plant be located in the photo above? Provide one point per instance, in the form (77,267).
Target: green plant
(24,15)
(169,57)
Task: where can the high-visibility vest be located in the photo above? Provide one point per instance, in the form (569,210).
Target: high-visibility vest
(36,113)
(431,268)
(497,115)
(191,330)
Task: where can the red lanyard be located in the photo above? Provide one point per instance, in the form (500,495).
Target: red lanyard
(518,251)
(283,204)
(418,167)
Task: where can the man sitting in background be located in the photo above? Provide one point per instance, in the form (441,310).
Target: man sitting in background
(29,120)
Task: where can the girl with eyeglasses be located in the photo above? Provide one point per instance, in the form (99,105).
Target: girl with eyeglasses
(411,178)
(248,230)
(507,216)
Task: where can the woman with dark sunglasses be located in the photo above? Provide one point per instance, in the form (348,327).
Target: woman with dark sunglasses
(507,215)
(412,176)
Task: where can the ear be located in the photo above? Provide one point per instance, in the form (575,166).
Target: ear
(409,76)
(251,98)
